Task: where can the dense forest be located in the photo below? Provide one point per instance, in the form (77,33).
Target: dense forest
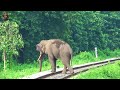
(83,30)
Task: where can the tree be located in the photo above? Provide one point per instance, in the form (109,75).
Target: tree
(83,30)
(10,40)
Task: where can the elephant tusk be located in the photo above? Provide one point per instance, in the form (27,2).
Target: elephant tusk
(40,62)
(39,57)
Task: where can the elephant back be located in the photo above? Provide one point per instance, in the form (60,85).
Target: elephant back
(58,42)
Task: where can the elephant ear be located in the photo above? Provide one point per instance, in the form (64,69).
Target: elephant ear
(43,45)
(43,48)
(38,47)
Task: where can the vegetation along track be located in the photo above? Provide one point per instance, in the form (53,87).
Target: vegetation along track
(77,69)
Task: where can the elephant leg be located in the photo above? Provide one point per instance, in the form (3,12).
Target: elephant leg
(67,64)
(64,70)
(70,68)
(53,63)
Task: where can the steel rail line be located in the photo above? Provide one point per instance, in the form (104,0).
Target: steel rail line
(77,69)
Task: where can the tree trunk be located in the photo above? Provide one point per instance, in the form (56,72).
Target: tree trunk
(4,59)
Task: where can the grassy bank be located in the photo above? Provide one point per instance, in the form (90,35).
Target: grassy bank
(110,71)
(21,70)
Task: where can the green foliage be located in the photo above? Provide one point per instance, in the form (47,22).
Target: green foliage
(21,70)
(10,39)
(83,30)
(83,57)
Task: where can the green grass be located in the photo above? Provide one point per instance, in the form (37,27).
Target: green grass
(21,70)
(110,71)
(18,71)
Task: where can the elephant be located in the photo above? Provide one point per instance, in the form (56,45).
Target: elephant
(55,49)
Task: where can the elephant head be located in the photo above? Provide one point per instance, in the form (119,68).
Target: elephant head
(41,48)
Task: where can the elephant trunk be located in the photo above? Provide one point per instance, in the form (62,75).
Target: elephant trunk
(40,61)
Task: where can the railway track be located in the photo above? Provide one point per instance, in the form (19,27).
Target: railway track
(77,69)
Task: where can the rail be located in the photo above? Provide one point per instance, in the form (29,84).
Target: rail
(77,69)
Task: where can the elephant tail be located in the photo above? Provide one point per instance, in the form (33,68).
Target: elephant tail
(71,60)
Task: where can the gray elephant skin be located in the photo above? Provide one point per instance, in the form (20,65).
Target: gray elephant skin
(55,49)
